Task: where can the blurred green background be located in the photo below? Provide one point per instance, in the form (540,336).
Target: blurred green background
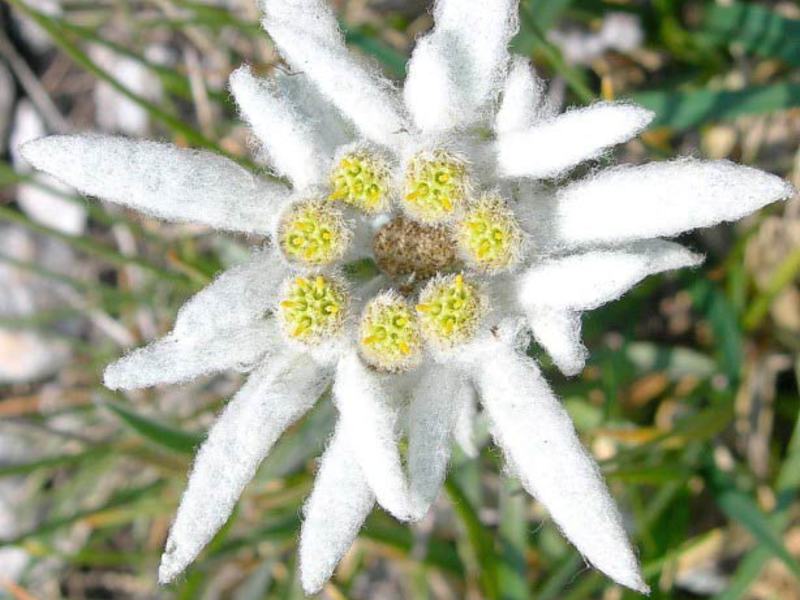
(690,400)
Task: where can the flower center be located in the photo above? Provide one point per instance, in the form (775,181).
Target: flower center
(405,247)
(313,233)
(362,181)
(436,187)
(312,309)
(450,310)
(390,338)
(488,235)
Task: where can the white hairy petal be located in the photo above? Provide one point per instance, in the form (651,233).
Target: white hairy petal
(274,397)
(324,118)
(290,143)
(550,148)
(464,430)
(435,405)
(590,279)
(308,37)
(456,71)
(161,180)
(555,292)
(338,505)
(218,328)
(542,448)
(558,331)
(523,95)
(661,199)
(175,360)
(368,417)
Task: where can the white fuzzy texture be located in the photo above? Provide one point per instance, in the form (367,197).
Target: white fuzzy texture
(543,450)
(552,147)
(160,179)
(554,293)
(523,98)
(44,203)
(221,327)
(274,397)
(437,400)
(331,129)
(290,142)
(558,331)
(308,37)
(338,505)
(661,199)
(464,430)
(456,71)
(368,418)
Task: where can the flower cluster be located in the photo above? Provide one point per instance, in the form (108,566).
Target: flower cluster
(458,190)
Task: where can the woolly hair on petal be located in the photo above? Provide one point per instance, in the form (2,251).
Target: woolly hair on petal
(590,279)
(368,419)
(437,400)
(542,448)
(334,513)
(464,429)
(227,313)
(523,97)
(308,38)
(552,147)
(161,180)
(291,144)
(176,360)
(274,396)
(457,70)
(558,331)
(661,199)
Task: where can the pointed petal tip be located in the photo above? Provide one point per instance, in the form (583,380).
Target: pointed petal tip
(169,568)
(35,150)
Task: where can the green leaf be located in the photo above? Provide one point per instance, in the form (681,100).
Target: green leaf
(756,28)
(682,110)
(739,507)
(479,538)
(512,566)
(163,435)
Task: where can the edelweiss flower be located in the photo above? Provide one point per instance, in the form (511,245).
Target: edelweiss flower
(444,192)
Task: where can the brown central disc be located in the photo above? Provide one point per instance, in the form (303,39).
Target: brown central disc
(404,247)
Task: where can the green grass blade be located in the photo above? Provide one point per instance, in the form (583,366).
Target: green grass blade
(681,110)
(755,28)
(154,431)
(512,566)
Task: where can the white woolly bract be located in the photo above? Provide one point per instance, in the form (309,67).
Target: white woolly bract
(456,71)
(287,138)
(176,360)
(436,402)
(160,179)
(220,327)
(274,396)
(550,148)
(523,95)
(590,279)
(464,430)
(543,450)
(338,505)
(553,293)
(308,37)
(661,199)
(327,122)
(558,331)
(368,419)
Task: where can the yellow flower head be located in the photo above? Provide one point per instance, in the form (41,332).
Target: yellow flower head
(450,310)
(312,309)
(313,233)
(389,331)
(362,181)
(436,187)
(488,235)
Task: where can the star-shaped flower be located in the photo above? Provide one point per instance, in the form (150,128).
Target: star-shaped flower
(456,190)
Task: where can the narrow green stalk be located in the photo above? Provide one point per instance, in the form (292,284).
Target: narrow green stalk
(784,275)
